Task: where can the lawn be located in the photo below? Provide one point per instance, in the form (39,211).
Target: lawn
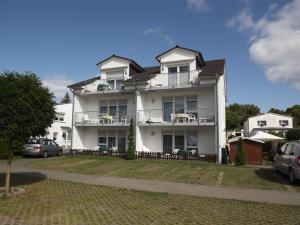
(56,202)
(171,171)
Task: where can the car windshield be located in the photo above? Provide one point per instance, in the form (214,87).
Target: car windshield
(34,141)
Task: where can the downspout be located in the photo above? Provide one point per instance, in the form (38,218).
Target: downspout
(217,121)
(72,120)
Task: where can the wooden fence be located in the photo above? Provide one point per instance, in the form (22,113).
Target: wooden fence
(147,155)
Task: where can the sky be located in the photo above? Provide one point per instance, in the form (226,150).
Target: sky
(61,40)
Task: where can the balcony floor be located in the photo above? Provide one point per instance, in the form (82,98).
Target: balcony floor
(82,124)
(177,124)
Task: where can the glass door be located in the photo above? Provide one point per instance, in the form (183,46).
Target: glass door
(167,144)
(172,76)
(167,111)
(183,75)
(179,142)
(121,144)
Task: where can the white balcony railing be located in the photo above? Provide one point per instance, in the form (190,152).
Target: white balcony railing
(105,86)
(201,116)
(172,80)
(96,118)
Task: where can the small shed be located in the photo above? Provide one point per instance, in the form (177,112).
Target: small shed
(253,149)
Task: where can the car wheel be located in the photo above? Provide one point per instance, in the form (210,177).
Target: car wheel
(45,154)
(292,176)
(275,167)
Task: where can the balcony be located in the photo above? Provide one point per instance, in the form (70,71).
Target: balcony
(157,117)
(94,118)
(174,80)
(102,86)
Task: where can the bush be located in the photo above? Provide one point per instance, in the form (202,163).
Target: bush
(293,134)
(241,154)
(131,145)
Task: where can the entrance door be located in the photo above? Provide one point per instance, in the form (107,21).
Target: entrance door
(121,144)
(168,109)
(167,144)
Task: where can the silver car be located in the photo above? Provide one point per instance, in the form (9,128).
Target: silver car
(41,147)
(287,160)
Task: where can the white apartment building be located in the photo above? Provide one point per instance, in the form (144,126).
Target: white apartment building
(60,130)
(267,122)
(178,104)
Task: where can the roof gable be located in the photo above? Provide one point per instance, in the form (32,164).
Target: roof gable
(130,61)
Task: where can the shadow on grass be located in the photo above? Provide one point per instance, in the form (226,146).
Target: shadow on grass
(22,178)
(269,175)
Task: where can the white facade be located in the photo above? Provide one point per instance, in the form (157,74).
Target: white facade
(180,106)
(60,130)
(267,122)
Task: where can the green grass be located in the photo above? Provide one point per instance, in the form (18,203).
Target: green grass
(171,171)
(56,202)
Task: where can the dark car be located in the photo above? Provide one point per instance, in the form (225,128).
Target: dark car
(287,160)
(42,147)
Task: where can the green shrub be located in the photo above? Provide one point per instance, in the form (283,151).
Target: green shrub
(131,144)
(241,154)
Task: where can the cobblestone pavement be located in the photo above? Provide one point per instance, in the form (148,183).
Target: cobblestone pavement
(255,195)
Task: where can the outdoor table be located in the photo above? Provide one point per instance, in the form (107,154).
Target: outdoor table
(181,116)
(106,118)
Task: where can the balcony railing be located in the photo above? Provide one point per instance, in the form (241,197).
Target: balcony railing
(201,116)
(105,86)
(91,118)
(172,80)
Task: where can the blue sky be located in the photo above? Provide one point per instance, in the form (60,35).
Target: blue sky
(62,40)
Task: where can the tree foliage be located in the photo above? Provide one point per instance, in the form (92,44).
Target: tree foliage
(131,144)
(66,99)
(236,115)
(26,109)
(241,154)
(293,135)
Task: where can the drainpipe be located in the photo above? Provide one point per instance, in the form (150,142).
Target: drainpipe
(219,156)
(72,119)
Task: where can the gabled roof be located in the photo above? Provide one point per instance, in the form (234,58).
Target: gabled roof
(270,113)
(211,68)
(84,82)
(245,138)
(199,56)
(133,63)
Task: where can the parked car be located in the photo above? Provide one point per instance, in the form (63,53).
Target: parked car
(42,147)
(287,160)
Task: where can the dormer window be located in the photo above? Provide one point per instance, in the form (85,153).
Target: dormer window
(262,123)
(283,123)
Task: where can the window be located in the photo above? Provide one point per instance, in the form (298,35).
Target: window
(262,123)
(179,142)
(52,143)
(55,136)
(111,84)
(111,142)
(289,149)
(192,139)
(61,119)
(179,104)
(191,103)
(283,123)
(102,141)
(184,69)
(172,69)
(119,84)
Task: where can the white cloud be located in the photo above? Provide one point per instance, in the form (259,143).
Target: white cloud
(57,83)
(197,6)
(159,32)
(274,41)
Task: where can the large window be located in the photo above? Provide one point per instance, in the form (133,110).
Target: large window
(283,123)
(262,123)
(179,104)
(113,107)
(191,140)
(112,138)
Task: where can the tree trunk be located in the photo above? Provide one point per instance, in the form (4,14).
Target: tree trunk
(8,166)
(7,180)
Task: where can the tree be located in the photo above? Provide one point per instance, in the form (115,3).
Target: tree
(26,109)
(241,154)
(293,135)
(66,99)
(237,114)
(294,111)
(277,111)
(131,145)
